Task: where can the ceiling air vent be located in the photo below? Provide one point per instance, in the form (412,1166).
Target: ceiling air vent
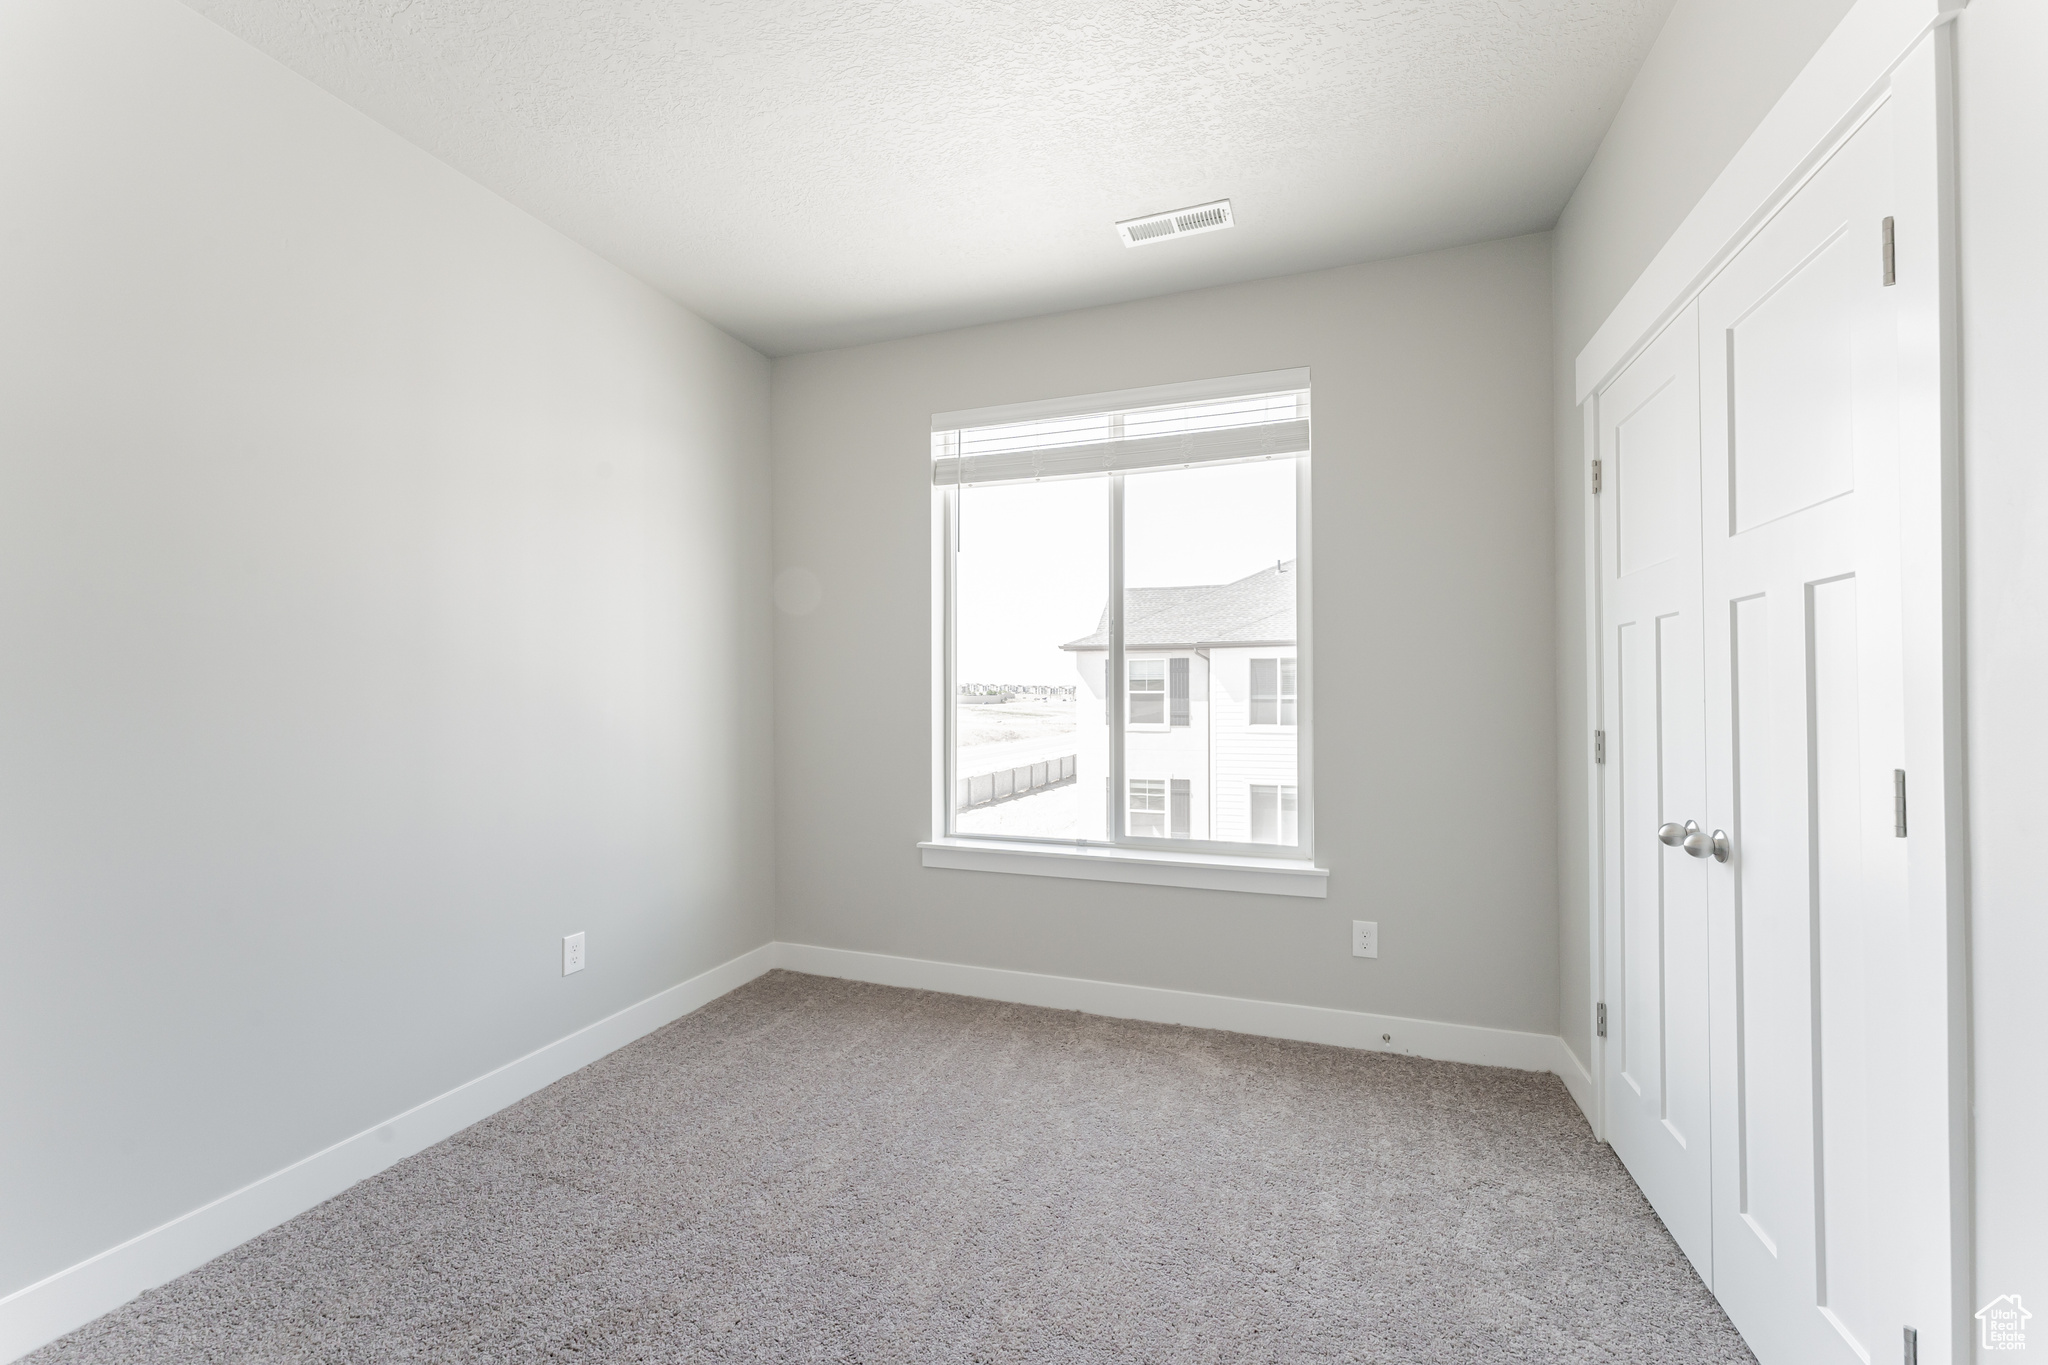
(1160,227)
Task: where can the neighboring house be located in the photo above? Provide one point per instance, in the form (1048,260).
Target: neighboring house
(1210,712)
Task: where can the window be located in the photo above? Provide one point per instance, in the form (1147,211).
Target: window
(1273,692)
(1148,692)
(1274,815)
(1124,593)
(1148,808)
(1160,808)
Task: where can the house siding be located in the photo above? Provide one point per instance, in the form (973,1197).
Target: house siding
(1246,754)
(1219,753)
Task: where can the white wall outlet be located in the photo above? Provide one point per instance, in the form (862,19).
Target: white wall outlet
(572,953)
(1365,938)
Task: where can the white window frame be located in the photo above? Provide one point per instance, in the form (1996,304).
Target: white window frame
(1266,868)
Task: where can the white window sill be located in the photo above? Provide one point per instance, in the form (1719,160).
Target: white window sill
(1205,871)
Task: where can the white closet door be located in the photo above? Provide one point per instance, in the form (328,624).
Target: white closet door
(1801,555)
(1656,1057)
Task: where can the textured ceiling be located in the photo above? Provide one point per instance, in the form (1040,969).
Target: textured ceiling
(815,173)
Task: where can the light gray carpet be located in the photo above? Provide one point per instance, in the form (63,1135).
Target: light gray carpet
(814,1170)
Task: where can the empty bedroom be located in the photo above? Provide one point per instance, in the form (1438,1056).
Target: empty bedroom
(941,680)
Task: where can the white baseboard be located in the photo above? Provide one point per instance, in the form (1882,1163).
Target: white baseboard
(1578,1080)
(73,1297)
(69,1299)
(1303,1023)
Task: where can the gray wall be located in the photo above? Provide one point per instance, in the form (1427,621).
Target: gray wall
(2002,47)
(383,589)
(1716,69)
(1433,641)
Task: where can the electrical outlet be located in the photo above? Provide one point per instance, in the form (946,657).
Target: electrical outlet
(1365,938)
(572,954)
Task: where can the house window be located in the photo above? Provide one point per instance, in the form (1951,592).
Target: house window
(1273,693)
(1148,691)
(1124,592)
(1148,808)
(1160,808)
(1275,815)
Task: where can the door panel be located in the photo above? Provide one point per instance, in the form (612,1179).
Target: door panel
(1804,726)
(1842,1237)
(1656,1058)
(1769,950)
(1791,372)
(1656,468)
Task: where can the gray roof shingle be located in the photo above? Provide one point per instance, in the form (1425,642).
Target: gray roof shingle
(1258,609)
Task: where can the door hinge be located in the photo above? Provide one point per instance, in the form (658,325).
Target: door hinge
(1596,478)
(1891,255)
(1600,1019)
(1898,803)
(1599,746)
(1912,1355)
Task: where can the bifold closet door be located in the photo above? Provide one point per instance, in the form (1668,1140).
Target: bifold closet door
(1655,936)
(1805,729)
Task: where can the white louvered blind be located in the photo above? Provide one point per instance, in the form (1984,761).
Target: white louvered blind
(1255,417)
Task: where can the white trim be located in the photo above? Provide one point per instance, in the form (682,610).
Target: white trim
(1249,444)
(1931,583)
(1569,1069)
(1473,1044)
(1103,863)
(1596,781)
(1116,696)
(945,687)
(1194,391)
(60,1303)
(1826,99)
(1304,669)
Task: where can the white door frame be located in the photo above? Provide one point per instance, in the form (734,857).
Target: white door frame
(1901,49)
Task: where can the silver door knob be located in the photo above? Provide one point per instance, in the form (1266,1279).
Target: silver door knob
(1674,836)
(1694,840)
(1700,844)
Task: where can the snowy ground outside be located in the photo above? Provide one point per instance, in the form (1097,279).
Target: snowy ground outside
(1010,735)
(1053,814)
(993,738)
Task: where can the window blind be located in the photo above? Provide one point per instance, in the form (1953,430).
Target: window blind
(1256,417)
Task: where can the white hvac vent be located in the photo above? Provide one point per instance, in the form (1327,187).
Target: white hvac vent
(1160,227)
